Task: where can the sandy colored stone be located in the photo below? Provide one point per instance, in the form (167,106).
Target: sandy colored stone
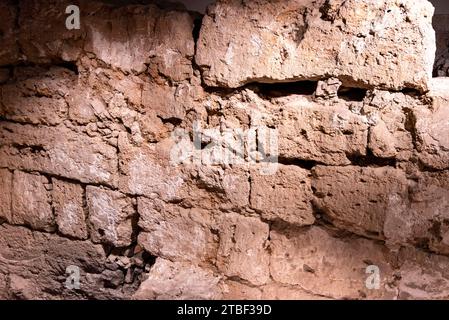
(423,276)
(56,150)
(178,281)
(38,99)
(69,209)
(357,42)
(31,202)
(357,198)
(147,170)
(6,194)
(172,232)
(421,218)
(433,134)
(312,131)
(111,215)
(234,290)
(286,195)
(391,116)
(323,265)
(242,250)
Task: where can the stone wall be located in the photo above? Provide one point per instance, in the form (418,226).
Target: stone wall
(121,161)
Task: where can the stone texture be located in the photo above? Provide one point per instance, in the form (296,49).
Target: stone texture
(68,203)
(35,264)
(6,194)
(37,99)
(47,149)
(172,232)
(421,218)
(343,163)
(423,277)
(242,251)
(433,134)
(285,195)
(147,170)
(111,216)
(180,281)
(308,259)
(357,198)
(357,43)
(31,202)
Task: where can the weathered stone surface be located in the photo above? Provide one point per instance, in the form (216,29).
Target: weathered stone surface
(303,129)
(242,251)
(178,280)
(38,99)
(111,216)
(69,209)
(432,132)
(147,170)
(308,259)
(357,198)
(286,195)
(423,276)
(392,123)
(36,265)
(6,194)
(31,202)
(172,232)
(56,150)
(140,35)
(357,43)
(421,218)
(320,133)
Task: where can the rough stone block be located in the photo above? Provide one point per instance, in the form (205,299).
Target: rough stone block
(69,209)
(111,215)
(286,195)
(357,198)
(31,202)
(356,42)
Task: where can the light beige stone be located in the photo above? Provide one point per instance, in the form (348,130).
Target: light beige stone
(242,250)
(69,209)
(31,202)
(111,215)
(357,198)
(178,281)
(357,43)
(285,195)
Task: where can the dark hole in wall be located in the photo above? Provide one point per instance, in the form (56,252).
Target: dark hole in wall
(352,94)
(274,90)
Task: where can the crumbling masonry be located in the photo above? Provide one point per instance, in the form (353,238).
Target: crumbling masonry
(90,119)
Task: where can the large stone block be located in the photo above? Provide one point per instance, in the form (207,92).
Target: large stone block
(357,198)
(242,250)
(174,233)
(178,280)
(68,202)
(285,195)
(31,202)
(147,170)
(321,264)
(58,151)
(432,133)
(38,98)
(386,43)
(111,215)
